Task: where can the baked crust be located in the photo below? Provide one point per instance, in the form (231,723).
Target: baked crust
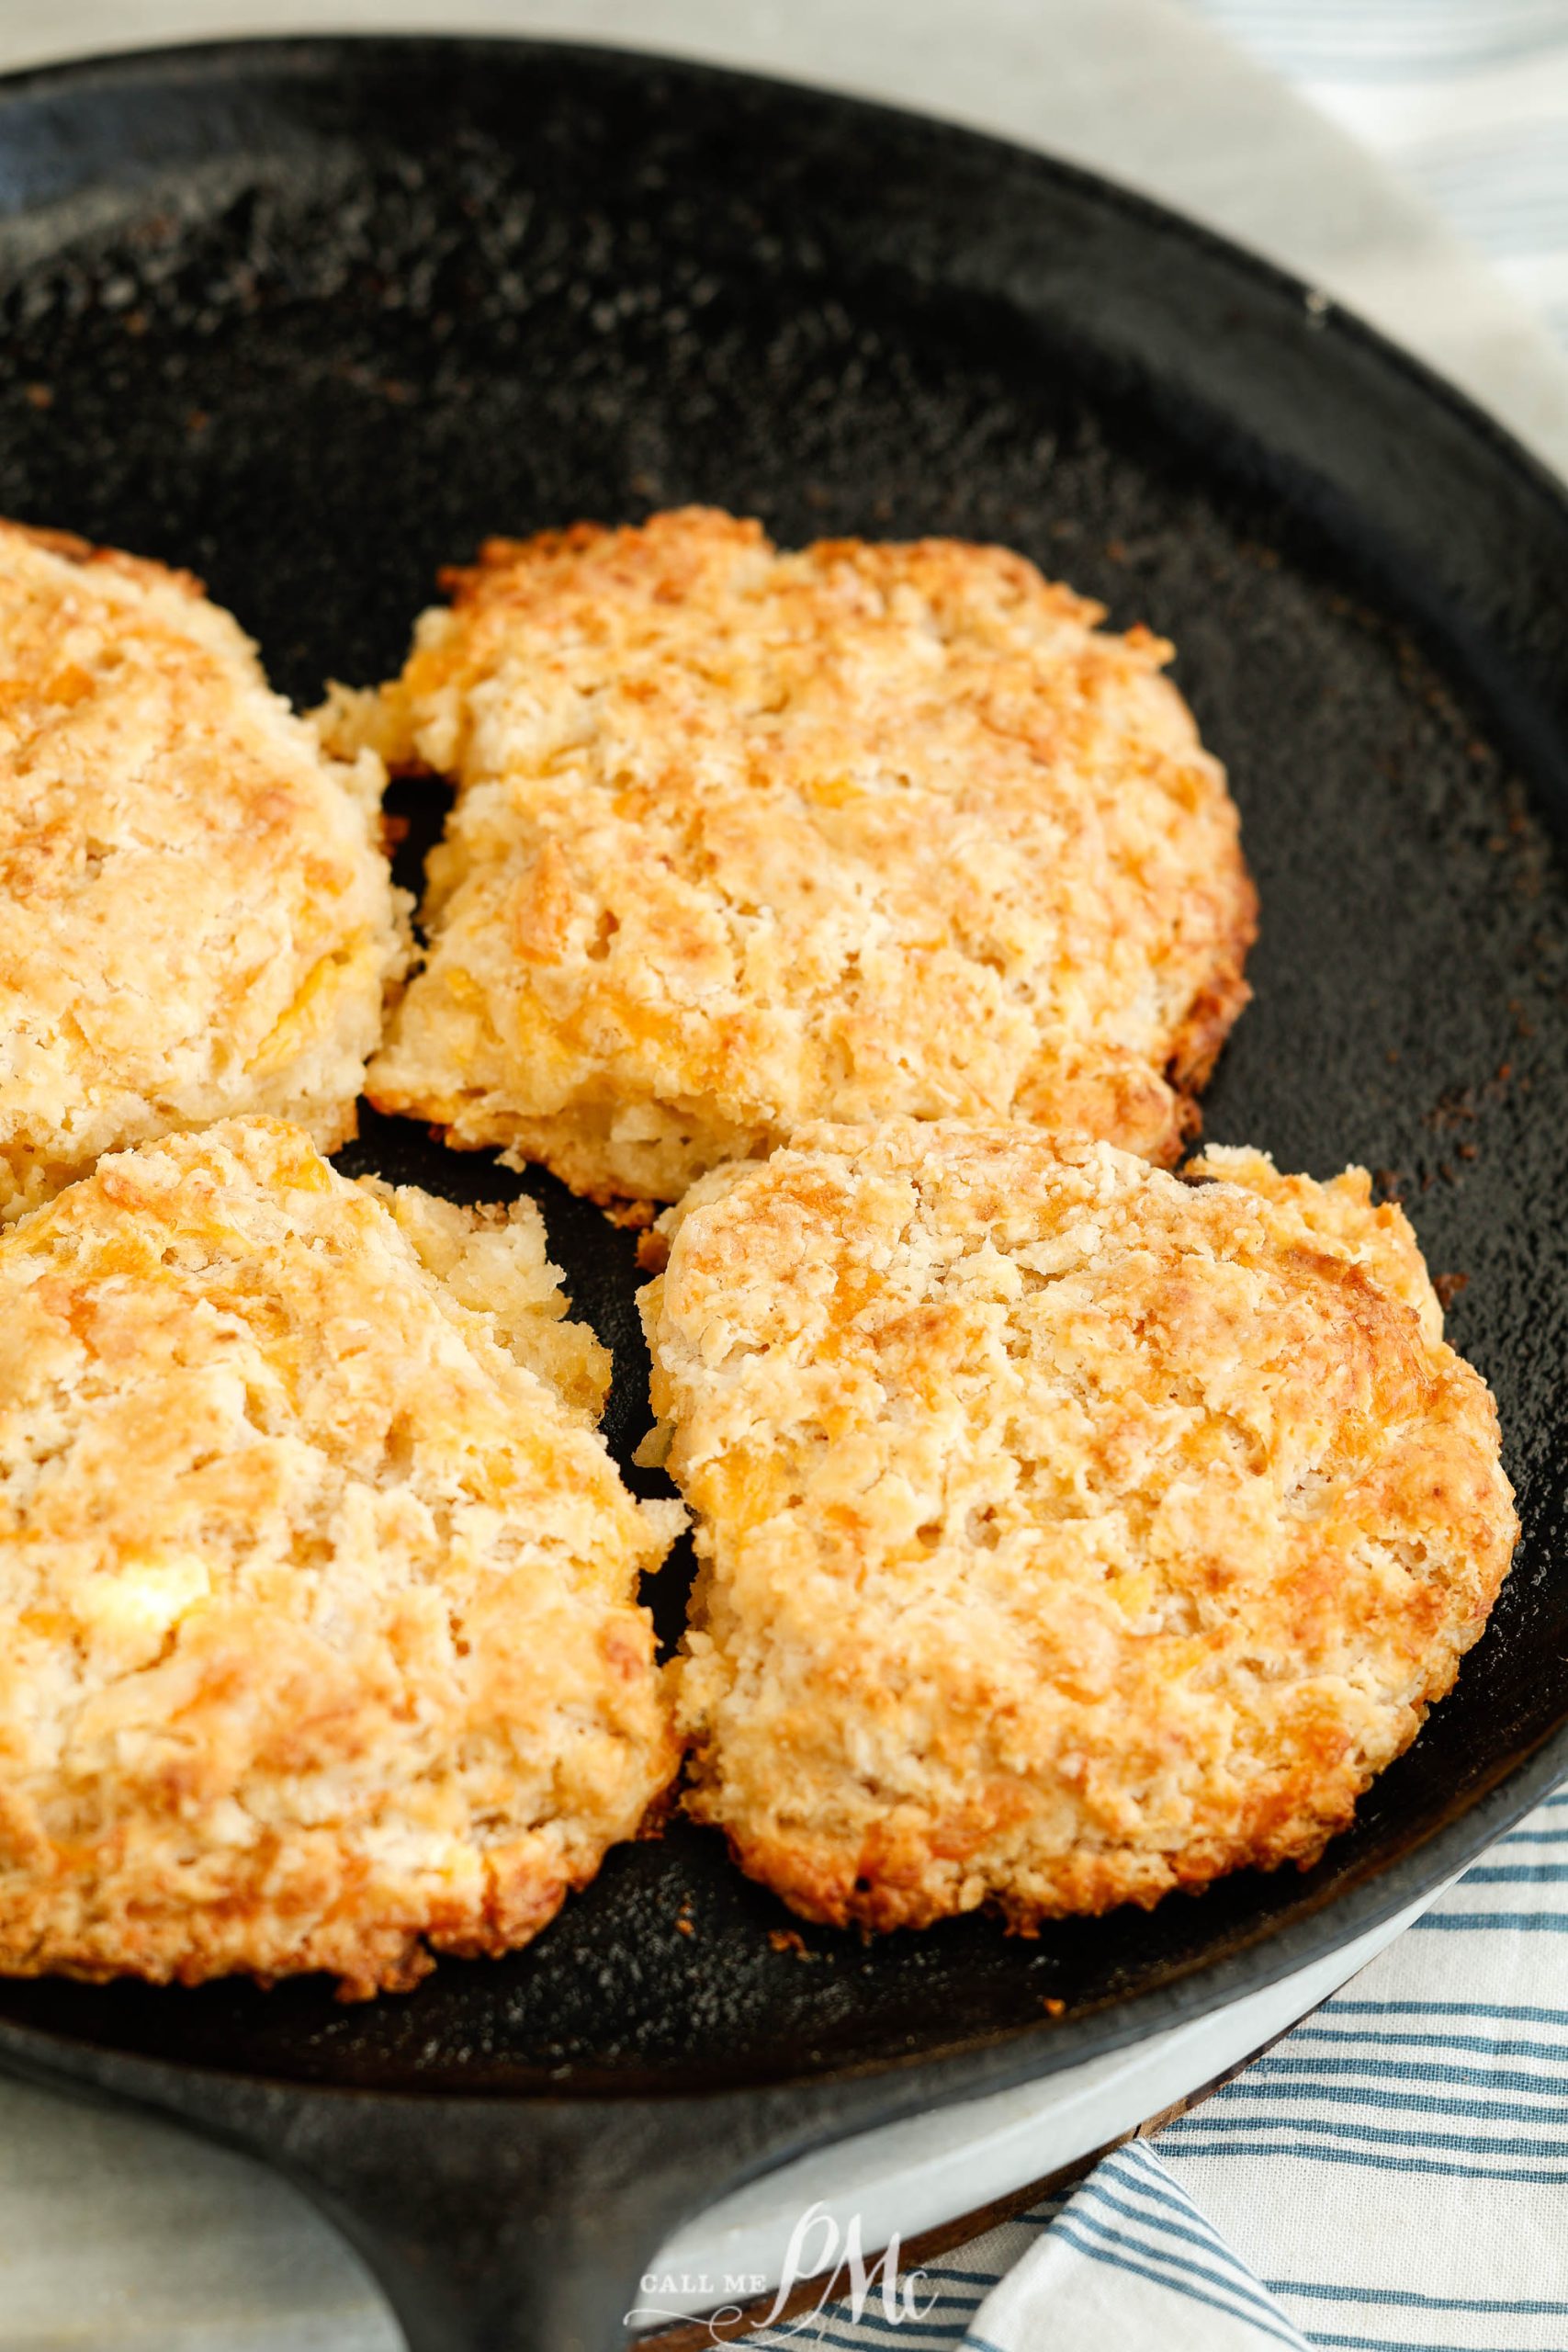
(322,1644)
(1068,1531)
(744,838)
(196,918)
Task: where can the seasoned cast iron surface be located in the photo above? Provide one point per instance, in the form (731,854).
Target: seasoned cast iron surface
(324,343)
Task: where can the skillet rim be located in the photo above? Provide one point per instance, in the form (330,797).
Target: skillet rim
(1014,2054)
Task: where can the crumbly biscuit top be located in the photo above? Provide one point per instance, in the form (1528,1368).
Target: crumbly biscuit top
(195,917)
(1071,1531)
(319,1583)
(744,837)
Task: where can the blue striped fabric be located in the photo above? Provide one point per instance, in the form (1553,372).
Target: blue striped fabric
(1468,98)
(1393,2175)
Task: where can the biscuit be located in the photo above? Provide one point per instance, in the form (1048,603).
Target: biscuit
(1068,1531)
(196,918)
(744,838)
(322,1648)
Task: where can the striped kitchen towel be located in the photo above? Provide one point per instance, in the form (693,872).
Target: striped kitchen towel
(1392,2177)
(1468,98)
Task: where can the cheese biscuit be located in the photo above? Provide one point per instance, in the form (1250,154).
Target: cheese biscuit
(1068,1531)
(322,1648)
(196,918)
(742,838)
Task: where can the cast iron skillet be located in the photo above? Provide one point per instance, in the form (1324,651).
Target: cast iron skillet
(312,318)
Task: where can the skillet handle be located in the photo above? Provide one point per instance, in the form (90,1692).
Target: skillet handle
(502,2225)
(498,2225)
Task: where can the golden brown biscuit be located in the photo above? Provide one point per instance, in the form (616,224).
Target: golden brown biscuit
(744,838)
(196,918)
(319,1587)
(1070,1532)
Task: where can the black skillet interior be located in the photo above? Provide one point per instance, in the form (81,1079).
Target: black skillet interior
(312,319)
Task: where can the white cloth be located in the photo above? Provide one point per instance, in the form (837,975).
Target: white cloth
(1467,99)
(1392,2177)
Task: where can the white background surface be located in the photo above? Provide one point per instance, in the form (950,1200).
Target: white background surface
(117,2232)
